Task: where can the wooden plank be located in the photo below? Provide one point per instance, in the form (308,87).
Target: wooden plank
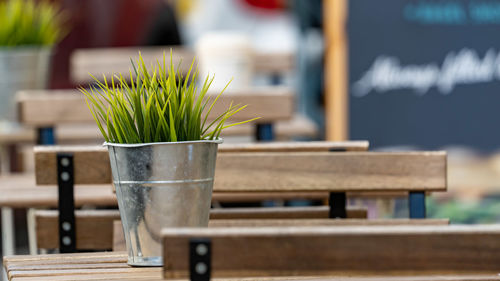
(97,61)
(305,251)
(322,222)
(51,107)
(109,61)
(349,171)
(268,172)
(119,239)
(314,212)
(336,70)
(309,146)
(94,229)
(91,164)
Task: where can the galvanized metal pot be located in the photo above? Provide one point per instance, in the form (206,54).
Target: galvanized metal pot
(161,185)
(21,68)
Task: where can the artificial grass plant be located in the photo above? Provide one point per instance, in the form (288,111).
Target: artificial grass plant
(158,105)
(29,22)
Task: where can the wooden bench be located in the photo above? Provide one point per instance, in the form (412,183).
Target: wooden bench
(285,171)
(102,229)
(109,61)
(89,161)
(44,109)
(332,251)
(334,172)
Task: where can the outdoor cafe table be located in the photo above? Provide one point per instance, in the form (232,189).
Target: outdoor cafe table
(113,266)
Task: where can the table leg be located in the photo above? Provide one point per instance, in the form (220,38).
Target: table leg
(8,242)
(8,238)
(30,219)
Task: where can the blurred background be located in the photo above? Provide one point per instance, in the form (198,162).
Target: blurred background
(402,74)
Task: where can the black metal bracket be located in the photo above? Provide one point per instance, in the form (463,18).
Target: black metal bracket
(416,203)
(337,200)
(46,136)
(66,205)
(200,259)
(265,132)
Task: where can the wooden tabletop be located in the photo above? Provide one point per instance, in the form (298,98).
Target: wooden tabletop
(113,266)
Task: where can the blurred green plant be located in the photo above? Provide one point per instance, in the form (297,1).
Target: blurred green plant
(26,22)
(487,210)
(159,105)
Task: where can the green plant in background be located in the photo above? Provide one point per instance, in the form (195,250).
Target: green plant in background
(24,22)
(159,105)
(487,210)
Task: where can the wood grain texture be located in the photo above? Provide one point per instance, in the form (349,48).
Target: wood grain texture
(94,229)
(314,212)
(89,266)
(91,164)
(117,60)
(275,171)
(309,146)
(285,251)
(349,171)
(52,107)
(322,222)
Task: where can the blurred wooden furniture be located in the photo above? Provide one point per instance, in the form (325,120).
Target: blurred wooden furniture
(276,65)
(99,61)
(45,109)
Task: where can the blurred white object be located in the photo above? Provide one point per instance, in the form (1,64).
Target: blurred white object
(227,55)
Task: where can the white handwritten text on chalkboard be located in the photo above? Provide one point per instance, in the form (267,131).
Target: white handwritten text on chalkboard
(458,68)
(452,12)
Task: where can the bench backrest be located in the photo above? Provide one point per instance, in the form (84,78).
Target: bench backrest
(117,60)
(44,108)
(280,171)
(316,250)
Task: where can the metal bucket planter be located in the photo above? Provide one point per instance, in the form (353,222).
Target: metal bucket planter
(21,68)
(161,185)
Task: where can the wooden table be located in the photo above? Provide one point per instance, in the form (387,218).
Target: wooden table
(112,266)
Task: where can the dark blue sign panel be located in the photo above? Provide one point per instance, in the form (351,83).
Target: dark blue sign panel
(425,72)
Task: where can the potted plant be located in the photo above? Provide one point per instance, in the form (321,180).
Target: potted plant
(162,149)
(28,32)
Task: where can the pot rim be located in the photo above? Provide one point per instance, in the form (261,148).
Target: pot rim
(217,141)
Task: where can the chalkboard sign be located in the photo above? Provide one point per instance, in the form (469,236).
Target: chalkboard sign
(425,72)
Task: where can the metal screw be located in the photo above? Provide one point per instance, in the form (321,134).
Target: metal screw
(65,176)
(66,226)
(65,162)
(201,249)
(66,240)
(201,268)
